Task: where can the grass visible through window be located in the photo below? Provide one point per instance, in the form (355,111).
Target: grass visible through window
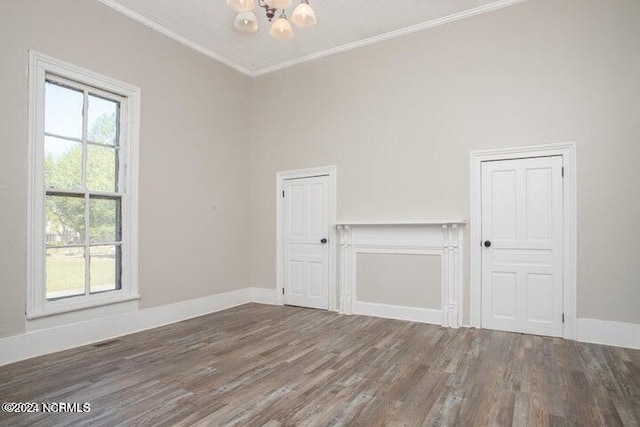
(65,272)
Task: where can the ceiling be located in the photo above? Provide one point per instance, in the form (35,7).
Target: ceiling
(206,26)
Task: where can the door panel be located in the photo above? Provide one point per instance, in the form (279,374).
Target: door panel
(539,297)
(504,294)
(317,224)
(306,223)
(295,277)
(539,209)
(504,192)
(522,268)
(316,274)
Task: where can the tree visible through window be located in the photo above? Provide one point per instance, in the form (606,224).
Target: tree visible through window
(83,190)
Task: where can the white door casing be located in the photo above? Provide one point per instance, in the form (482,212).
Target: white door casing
(306,237)
(522,269)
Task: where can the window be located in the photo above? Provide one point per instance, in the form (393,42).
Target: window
(83,185)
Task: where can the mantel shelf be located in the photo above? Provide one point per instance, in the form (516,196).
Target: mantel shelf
(405,222)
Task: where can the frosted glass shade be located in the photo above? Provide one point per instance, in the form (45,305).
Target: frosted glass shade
(281,29)
(303,15)
(279,4)
(247,22)
(241,5)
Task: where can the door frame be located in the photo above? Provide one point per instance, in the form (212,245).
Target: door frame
(568,152)
(281,177)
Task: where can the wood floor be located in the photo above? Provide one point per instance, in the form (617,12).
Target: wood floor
(263,365)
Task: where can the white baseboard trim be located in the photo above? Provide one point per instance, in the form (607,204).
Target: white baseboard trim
(412,314)
(618,334)
(264,296)
(58,338)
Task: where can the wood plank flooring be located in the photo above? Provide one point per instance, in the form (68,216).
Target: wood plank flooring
(258,365)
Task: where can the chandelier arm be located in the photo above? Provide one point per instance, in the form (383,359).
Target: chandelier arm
(269,11)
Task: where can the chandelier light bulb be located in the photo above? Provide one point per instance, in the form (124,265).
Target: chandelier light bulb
(241,5)
(303,15)
(247,22)
(281,29)
(279,4)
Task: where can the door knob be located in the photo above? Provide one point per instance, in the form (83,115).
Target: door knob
(487,243)
(323,241)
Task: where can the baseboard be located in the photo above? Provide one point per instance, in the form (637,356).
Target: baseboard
(412,314)
(618,334)
(44,341)
(264,296)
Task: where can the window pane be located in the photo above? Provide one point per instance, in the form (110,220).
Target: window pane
(62,163)
(105,268)
(102,168)
(63,111)
(104,220)
(65,272)
(102,125)
(64,220)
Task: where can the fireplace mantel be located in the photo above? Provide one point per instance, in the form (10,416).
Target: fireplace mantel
(421,237)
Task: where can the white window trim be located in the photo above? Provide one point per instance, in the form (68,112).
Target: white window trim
(37,305)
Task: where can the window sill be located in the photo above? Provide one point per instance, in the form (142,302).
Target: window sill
(82,306)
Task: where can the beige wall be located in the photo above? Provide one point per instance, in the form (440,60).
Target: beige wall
(193,159)
(399,118)
(399,279)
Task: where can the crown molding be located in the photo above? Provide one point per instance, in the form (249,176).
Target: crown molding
(390,35)
(175,36)
(499,4)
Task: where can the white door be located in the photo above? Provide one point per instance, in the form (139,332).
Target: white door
(522,249)
(306,248)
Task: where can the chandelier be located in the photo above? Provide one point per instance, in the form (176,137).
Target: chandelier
(247,22)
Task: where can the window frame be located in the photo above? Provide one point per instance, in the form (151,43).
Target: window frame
(40,67)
